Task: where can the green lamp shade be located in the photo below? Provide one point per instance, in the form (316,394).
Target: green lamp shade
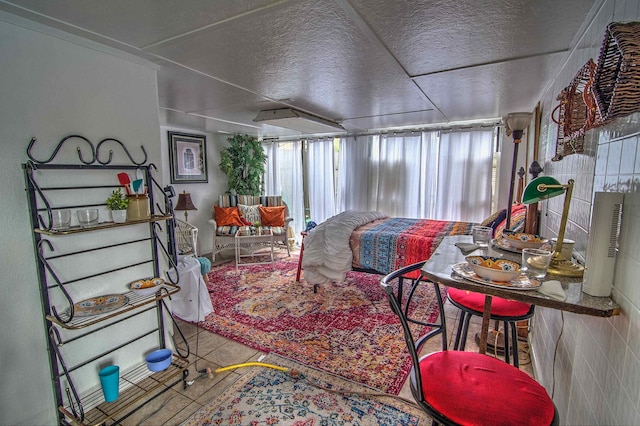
(534,193)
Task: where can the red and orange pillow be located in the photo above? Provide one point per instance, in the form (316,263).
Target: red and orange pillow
(227,216)
(272,216)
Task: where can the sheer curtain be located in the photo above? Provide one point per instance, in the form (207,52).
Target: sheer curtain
(430,175)
(320,169)
(465,167)
(283,176)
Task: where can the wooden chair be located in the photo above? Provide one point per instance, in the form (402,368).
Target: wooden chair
(509,312)
(457,387)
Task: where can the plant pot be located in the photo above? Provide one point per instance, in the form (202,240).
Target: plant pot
(119,216)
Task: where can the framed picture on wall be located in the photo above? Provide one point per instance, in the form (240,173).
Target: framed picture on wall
(188,158)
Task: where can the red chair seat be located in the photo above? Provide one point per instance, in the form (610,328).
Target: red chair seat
(489,386)
(499,306)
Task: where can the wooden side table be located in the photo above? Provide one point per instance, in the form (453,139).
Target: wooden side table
(252,242)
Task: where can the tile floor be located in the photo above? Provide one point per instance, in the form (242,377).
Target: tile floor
(213,351)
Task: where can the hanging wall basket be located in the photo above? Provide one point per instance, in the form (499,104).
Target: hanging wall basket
(576,112)
(617,79)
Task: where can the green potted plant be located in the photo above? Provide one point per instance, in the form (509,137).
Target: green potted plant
(243,161)
(117,202)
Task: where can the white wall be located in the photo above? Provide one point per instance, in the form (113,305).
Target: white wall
(203,195)
(594,374)
(50,88)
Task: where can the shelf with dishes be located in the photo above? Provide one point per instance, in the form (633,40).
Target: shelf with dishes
(101,308)
(103,225)
(137,386)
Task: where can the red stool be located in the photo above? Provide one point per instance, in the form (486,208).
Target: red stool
(507,311)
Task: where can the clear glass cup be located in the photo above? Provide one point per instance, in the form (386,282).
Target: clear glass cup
(535,262)
(481,235)
(61,219)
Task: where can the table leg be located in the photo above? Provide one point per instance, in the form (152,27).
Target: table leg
(486,319)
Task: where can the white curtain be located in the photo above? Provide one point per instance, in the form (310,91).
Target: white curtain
(430,175)
(283,176)
(354,192)
(465,167)
(320,169)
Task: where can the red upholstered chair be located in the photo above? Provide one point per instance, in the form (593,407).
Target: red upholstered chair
(457,387)
(507,311)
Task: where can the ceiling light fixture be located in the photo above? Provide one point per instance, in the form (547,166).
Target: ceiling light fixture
(294,119)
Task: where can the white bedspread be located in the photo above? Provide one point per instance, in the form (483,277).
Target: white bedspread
(327,254)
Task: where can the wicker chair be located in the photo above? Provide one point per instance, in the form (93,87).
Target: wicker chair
(186,238)
(224,236)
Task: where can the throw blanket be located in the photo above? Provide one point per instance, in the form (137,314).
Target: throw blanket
(327,255)
(389,244)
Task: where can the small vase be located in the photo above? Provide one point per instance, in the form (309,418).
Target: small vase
(119,216)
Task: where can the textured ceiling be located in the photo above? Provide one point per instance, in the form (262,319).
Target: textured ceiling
(366,64)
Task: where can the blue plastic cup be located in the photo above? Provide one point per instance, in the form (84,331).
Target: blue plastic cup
(109,378)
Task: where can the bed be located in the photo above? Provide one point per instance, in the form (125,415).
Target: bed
(376,243)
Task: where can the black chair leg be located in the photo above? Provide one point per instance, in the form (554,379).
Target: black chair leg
(456,343)
(465,331)
(507,349)
(514,343)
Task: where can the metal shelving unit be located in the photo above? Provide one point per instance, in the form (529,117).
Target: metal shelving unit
(52,186)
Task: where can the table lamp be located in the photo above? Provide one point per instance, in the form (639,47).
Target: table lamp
(544,187)
(184,204)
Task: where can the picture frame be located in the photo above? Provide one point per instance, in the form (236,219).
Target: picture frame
(188,158)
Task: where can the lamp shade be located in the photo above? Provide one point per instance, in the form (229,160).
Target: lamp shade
(518,120)
(541,188)
(184,202)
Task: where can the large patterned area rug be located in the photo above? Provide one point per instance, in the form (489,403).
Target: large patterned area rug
(265,396)
(345,328)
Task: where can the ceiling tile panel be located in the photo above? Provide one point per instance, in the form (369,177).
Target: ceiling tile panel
(309,53)
(434,35)
(142,22)
(491,90)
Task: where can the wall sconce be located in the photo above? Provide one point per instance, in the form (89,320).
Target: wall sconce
(184,204)
(516,123)
(544,187)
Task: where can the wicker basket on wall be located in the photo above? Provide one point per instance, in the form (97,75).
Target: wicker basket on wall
(616,84)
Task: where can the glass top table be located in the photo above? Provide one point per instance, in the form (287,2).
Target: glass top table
(439,269)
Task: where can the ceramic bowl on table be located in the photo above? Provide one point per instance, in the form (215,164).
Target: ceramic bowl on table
(521,240)
(494,268)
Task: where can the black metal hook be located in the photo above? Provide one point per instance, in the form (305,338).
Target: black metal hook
(124,148)
(57,148)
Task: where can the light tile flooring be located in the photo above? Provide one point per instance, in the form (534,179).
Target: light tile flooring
(213,351)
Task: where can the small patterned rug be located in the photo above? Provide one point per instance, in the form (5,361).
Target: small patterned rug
(265,396)
(345,328)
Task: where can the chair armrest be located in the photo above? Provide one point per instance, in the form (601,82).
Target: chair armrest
(214,224)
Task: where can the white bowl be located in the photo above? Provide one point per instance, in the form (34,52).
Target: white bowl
(521,240)
(146,286)
(494,268)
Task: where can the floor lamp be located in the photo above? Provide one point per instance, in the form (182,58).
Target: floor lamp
(516,122)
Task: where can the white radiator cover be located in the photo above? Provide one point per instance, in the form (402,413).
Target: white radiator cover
(603,244)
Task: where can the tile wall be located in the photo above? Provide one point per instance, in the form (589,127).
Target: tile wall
(591,366)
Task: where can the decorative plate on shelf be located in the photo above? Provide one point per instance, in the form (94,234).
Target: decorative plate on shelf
(99,305)
(522,282)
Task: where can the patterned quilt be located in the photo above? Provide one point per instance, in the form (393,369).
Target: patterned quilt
(385,245)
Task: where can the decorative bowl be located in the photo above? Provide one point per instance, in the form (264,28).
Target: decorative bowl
(159,359)
(494,268)
(146,286)
(521,240)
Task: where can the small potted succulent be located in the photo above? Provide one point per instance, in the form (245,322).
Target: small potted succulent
(117,202)
(258,226)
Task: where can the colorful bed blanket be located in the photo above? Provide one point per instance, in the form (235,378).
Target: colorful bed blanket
(385,245)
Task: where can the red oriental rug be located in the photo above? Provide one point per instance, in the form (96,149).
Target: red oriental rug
(345,328)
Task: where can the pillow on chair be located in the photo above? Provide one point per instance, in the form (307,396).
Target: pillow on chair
(227,216)
(271,216)
(495,219)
